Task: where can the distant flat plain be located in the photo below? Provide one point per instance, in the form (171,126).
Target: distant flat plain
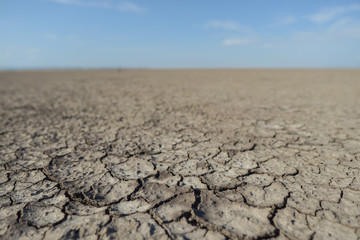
(180,154)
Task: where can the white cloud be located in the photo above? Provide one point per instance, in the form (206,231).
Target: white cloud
(129,7)
(227,25)
(288,20)
(236,41)
(284,21)
(340,24)
(122,6)
(345,28)
(329,14)
(341,30)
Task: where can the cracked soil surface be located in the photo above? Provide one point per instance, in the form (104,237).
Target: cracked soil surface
(180,154)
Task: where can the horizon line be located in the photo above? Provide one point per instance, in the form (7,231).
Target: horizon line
(15,69)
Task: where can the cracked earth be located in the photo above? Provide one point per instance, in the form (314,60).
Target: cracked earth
(180,154)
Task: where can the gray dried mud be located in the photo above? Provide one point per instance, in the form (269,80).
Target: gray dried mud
(180,154)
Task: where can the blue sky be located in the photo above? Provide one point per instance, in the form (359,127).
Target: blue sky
(179,34)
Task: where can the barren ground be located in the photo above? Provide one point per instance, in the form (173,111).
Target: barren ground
(180,154)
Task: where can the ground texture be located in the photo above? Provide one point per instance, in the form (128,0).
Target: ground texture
(180,154)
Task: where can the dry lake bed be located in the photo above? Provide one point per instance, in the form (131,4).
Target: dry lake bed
(180,154)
